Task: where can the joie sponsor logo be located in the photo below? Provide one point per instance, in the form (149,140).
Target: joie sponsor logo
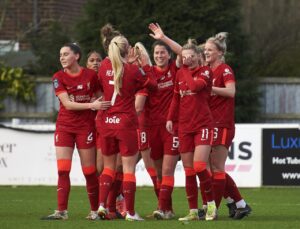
(6,149)
(112,120)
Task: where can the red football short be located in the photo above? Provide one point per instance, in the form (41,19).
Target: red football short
(188,141)
(223,136)
(162,142)
(143,139)
(84,140)
(115,141)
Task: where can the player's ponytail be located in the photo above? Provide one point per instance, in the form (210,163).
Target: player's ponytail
(117,51)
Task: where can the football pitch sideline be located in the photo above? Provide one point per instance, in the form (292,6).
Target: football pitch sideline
(23,206)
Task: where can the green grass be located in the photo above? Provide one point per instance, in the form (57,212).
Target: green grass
(22,207)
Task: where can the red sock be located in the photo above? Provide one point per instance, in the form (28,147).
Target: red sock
(91,186)
(219,181)
(165,194)
(152,173)
(114,192)
(203,195)
(63,183)
(158,186)
(231,189)
(119,177)
(106,180)
(205,179)
(129,188)
(63,190)
(191,188)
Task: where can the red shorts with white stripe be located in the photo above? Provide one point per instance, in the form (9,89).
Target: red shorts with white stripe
(143,139)
(223,136)
(84,140)
(188,141)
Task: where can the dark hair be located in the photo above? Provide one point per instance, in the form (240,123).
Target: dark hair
(75,48)
(160,43)
(108,32)
(91,52)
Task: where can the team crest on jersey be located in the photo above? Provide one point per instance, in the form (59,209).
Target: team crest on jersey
(55,83)
(169,75)
(206,74)
(227,72)
(80,87)
(109,73)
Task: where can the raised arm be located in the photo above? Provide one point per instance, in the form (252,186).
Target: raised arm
(158,34)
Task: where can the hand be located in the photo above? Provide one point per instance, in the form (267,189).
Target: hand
(131,57)
(186,60)
(169,127)
(93,99)
(143,59)
(98,104)
(158,32)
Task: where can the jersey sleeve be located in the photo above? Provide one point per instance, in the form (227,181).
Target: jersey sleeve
(58,85)
(174,107)
(228,75)
(176,84)
(207,75)
(145,78)
(143,92)
(194,83)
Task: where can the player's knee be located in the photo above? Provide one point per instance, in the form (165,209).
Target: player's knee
(64,166)
(199,166)
(88,170)
(189,171)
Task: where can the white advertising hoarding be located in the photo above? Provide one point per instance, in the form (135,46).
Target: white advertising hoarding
(28,158)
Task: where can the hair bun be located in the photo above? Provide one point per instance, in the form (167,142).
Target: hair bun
(192,41)
(221,36)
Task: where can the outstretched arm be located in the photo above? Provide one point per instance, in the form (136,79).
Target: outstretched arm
(158,34)
(97,104)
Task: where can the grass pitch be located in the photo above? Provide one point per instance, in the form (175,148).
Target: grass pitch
(23,206)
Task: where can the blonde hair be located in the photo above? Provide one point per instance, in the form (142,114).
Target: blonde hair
(220,41)
(190,46)
(139,49)
(201,54)
(117,51)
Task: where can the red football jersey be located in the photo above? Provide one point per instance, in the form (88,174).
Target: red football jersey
(222,108)
(159,101)
(122,114)
(80,88)
(192,99)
